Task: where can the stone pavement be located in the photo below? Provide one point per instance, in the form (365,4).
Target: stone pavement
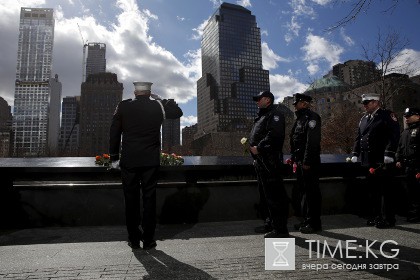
(221,250)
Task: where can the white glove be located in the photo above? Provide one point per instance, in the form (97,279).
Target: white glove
(354,159)
(115,164)
(388,159)
(156,97)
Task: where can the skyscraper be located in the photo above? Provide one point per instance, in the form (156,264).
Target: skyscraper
(5,128)
(100,95)
(356,72)
(54,115)
(69,132)
(96,61)
(232,73)
(32,89)
(171,134)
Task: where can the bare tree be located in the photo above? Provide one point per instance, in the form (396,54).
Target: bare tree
(362,6)
(387,54)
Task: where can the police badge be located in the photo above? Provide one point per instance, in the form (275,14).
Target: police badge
(312,123)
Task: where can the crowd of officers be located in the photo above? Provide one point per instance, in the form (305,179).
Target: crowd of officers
(378,147)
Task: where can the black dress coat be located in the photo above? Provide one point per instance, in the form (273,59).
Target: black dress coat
(138,123)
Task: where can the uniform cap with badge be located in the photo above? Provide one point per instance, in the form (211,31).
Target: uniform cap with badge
(140,86)
(411,111)
(262,94)
(367,97)
(301,97)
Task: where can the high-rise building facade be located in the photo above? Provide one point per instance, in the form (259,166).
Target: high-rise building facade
(100,95)
(32,88)
(188,133)
(356,72)
(5,128)
(96,58)
(69,131)
(54,116)
(232,72)
(171,134)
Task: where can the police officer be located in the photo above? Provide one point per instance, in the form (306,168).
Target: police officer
(266,144)
(375,146)
(305,143)
(408,157)
(138,122)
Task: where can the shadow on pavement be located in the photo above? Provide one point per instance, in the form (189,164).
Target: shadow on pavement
(162,266)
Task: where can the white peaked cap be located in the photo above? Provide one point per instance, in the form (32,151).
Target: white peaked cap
(370,96)
(142,85)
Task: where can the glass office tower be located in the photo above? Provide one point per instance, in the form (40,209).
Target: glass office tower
(33,72)
(231,72)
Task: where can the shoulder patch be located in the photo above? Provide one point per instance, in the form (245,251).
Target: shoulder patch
(276,118)
(312,123)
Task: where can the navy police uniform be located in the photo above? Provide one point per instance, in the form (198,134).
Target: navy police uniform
(268,135)
(408,154)
(377,137)
(305,143)
(138,122)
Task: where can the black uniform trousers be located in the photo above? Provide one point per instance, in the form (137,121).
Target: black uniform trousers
(413,192)
(134,180)
(270,184)
(308,188)
(381,197)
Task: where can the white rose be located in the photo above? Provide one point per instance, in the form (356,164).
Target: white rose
(244,141)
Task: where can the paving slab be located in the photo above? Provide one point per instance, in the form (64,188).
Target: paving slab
(220,250)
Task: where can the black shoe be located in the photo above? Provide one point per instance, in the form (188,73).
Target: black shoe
(413,219)
(299,225)
(384,224)
(263,229)
(276,234)
(134,245)
(147,245)
(310,229)
(372,222)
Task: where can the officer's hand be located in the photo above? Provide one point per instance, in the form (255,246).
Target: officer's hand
(115,164)
(156,96)
(254,150)
(388,159)
(354,159)
(289,161)
(398,164)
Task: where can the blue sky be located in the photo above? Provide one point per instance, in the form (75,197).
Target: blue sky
(159,40)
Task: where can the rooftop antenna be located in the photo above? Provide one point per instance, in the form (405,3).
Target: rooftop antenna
(84,55)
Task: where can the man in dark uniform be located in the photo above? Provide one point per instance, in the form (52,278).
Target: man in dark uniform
(266,144)
(408,157)
(376,144)
(138,122)
(305,143)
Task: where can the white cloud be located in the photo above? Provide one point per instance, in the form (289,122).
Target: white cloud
(349,41)
(300,7)
(180,18)
(317,49)
(199,30)
(406,62)
(282,86)
(269,57)
(293,28)
(188,120)
(244,3)
(264,32)
(131,52)
(322,2)
(216,3)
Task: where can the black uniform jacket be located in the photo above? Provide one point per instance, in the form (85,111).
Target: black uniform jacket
(377,138)
(305,138)
(408,151)
(267,135)
(138,121)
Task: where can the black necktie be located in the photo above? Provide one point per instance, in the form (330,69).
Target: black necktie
(369,117)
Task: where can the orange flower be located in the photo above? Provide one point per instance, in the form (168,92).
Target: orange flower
(106,156)
(98,158)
